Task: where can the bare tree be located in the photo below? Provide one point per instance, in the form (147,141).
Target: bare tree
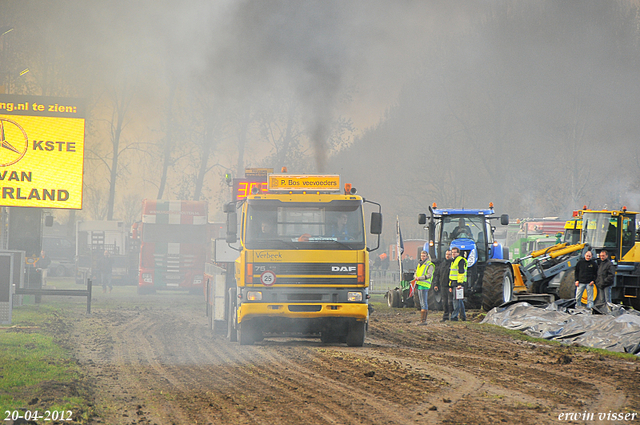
(131,208)
(95,202)
(168,142)
(120,103)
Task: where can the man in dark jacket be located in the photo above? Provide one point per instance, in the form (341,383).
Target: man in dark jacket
(443,282)
(604,280)
(586,273)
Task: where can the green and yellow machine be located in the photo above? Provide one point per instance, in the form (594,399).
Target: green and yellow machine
(617,232)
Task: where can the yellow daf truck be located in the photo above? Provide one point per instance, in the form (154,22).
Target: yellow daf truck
(303,264)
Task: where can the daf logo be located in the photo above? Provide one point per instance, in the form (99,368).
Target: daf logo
(343,269)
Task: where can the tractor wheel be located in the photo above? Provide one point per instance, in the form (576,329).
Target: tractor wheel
(497,286)
(408,300)
(416,300)
(394,298)
(356,334)
(434,299)
(398,298)
(567,289)
(391,296)
(634,302)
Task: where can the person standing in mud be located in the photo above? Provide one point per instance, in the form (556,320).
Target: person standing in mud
(105,268)
(42,264)
(604,279)
(443,280)
(423,277)
(457,280)
(586,273)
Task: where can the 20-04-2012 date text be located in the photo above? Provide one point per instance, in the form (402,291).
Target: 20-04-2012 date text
(47,415)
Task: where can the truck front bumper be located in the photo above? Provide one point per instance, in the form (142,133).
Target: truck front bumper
(357,311)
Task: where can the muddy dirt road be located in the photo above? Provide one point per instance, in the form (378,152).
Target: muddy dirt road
(153,360)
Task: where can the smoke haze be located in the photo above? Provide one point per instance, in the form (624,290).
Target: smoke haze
(530,105)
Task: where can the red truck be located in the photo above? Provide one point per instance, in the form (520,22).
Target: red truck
(174,245)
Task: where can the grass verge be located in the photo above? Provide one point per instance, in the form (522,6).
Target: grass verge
(37,371)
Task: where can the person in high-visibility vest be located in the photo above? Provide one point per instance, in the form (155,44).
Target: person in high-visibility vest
(423,278)
(442,271)
(457,280)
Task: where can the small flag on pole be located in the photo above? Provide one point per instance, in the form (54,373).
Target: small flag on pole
(399,245)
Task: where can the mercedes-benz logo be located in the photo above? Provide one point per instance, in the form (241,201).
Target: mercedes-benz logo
(13,142)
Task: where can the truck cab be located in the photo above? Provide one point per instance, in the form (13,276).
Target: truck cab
(303,264)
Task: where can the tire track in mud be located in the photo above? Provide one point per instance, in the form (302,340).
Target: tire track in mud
(184,378)
(332,393)
(282,371)
(287,375)
(157,362)
(532,378)
(135,370)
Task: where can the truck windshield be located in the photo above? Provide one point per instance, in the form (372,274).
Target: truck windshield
(281,225)
(599,230)
(174,233)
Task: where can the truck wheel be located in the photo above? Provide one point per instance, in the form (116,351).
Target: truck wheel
(497,286)
(145,290)
(60,271)
(246,333)
(567,289)
(328,336)
(232,334)
(356,334)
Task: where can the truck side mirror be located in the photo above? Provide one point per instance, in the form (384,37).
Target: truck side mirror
(232,227)
(376,223)
(504,219)
(48,221)
(422,219)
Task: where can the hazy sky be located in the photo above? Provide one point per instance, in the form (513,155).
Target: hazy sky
(515,102)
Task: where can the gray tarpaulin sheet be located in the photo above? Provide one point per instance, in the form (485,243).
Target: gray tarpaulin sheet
(616,330)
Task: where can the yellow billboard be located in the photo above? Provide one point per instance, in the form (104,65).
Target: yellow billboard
(288,182)
(41,151)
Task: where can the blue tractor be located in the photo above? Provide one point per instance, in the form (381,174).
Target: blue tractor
(489,274)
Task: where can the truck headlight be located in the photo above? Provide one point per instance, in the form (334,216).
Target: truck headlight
(254,296)
(197,280)
(146,277)
(354,296)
